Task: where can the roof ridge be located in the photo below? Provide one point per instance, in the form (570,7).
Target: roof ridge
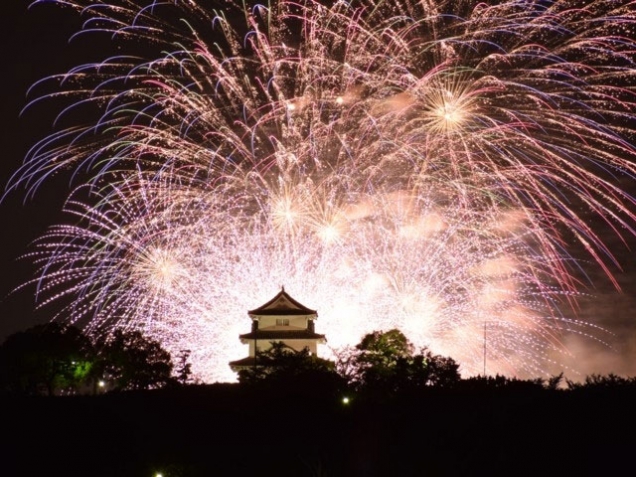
(280,305)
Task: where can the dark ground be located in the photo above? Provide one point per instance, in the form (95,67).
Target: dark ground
(231,430)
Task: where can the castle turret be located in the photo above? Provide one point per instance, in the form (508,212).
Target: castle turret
(281,319)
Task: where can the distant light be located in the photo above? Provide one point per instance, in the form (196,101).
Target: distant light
(101,384)
(345,400)
(158,474)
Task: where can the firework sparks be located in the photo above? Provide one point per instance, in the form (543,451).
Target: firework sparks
(419,165)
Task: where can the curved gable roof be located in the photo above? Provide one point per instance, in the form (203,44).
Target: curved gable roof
(282,304)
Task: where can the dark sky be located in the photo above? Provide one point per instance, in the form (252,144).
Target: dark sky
(35,44)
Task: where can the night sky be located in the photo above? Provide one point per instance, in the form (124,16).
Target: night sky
(35,44)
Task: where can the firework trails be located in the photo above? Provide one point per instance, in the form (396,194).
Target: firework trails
(420,165)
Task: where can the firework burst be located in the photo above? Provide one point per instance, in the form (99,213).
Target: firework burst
(420,165)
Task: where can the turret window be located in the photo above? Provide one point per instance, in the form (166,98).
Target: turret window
(282,321)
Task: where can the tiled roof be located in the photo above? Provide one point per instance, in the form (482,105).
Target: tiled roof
(282,304)
(245,362)
(282,335)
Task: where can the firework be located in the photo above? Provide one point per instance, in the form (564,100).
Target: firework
(420,165)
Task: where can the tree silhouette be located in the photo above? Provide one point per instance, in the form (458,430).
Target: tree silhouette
(46,359)
(130,361)
(597,382)
(385,362)
(289,370)
(183,372)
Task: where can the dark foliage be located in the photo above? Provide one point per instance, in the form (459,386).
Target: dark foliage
(184,368)
(55,359)
(598,382)
(297,371)
(46,359)
(434,423)
(499,382)
(384,363)
(130,361)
